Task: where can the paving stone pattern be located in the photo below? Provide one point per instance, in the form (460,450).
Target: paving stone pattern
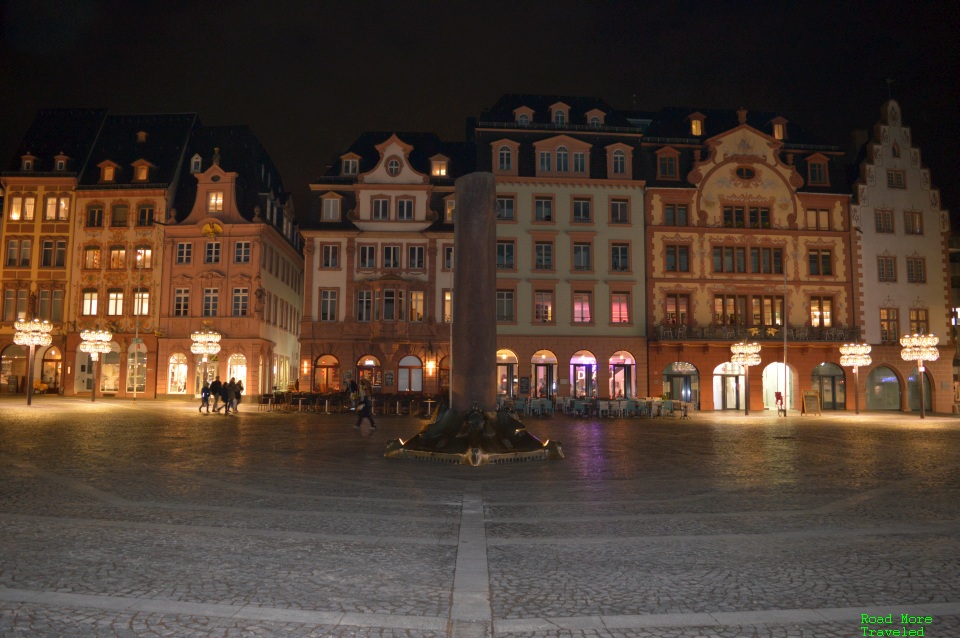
(147,519)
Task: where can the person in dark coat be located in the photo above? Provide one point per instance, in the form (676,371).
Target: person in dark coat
(225,397)
(205,397)
(215,389)
(365,411)
(238,390)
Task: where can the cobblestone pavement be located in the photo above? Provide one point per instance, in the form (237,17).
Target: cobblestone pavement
(148,519)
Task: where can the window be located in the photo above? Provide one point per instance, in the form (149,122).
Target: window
(212,253)
(381,208)
(619,162)
(758,217)
(544,163)
(145,216)
(581,257)
(913,222)
(107,173)
(89,303)
(211,302)
(13,253)
(559,117)
(696,127)
(447,306)
(620,307)
(563,159)
(46,253)
(56,209)
(620,258)
(328,305)
(818,218)
(733,217)
(505,250)
(368,257)
(884,220)
(543,306)
(215,202)
(91,258)
(896,179)
(119,215)
(350,167)
(821,262)
(523,119)
(667,167)
(405,209)
(619,211)
(331,209)
(919,321)
(730,309)
(449,207)
(779,130)
(114,302)
(582,307)
(196,164)
(22,208)
(118,258)
(141,173)
(240,300)
(767,310)
(889,325)
(677,309)
(729,259)
(581,211)
(54,253)
(505,303)
(594,121)
(579,162)
(678,258)
(241,252)
(393,167)
(821,312)
(330,256)
(542,209)
(817,173)
(141,303)
(766,260)
(415,259)
(886,268)
(916,270)
(505,208)
(181,302)
(184,252)
(675,214)
(416,305)
(543,255)
(505,158)
(143,256)
(364,305)
(448,257)
(391,256)
(439,168)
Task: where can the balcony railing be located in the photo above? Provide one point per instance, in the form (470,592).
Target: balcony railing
(718,332)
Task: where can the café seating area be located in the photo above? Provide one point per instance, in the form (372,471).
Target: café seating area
(640,408)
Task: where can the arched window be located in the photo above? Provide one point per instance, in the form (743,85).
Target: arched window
(177,374)
(410,375)
(594,120)
(523,119)
(326,374)
(619,162)
(560,117)
(505,158)
(563,159)
(237,368)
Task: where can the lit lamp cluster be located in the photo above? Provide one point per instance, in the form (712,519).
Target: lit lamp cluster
(95,343)
(746,355)
(920,348)
(205,342)
(855,355)
(32,333)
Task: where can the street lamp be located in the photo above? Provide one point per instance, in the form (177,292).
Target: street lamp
(206,343)
(32,333)
(137,309)
(746,355)
(855,355)
(95,343)
(920,348)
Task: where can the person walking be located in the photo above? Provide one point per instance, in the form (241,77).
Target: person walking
(205,397)
(238,389)
(225,397)
(365,411)
(215,388)
(229,403)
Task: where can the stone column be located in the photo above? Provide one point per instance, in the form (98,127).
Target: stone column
(473,377)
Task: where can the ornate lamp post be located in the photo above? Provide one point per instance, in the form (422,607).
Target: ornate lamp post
(855,355)
(95,343)
(746,355)
(920,348)
(205,342)
(32,333)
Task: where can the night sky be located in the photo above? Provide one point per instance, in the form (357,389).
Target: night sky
(309,77)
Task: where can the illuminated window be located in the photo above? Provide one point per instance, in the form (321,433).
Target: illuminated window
(215,202)
(821,312)
(582,307)
(142,172)
(416,305)
(889,325)
(56,208)
(779,130)
(449,207)
(114,303)
(696,127)
(91,258)
(620,307)
(677,308)
(439,168)
(141,303)
(543,306)
(107,173)
(919,321)
(118,257)
(89,303)
(447,306)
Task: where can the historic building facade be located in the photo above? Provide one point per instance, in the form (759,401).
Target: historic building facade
(902,242)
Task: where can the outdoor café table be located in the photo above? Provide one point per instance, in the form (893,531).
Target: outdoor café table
(429,403)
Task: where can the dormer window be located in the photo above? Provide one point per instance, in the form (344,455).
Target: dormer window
(817,170)
(141,136)
(778,131)
(523,115)
(61,165)
(26,163)
(523,119)
(439,168)
(594,121)
(595,118)
(779,128)
(196,164)
(560,118)
(393,167)
(107,173)
(667,160)
(349,167)
(142,172)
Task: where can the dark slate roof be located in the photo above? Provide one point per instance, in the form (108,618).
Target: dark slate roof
(55,131)
(503,110)
(241,153)
(673,123)
(164,145)
(425,146)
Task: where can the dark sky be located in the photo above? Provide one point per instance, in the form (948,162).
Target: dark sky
(309,77)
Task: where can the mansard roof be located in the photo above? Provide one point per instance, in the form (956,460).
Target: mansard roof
(425,146)
(673,123)
(162,146)
(504,110)
(53,132)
